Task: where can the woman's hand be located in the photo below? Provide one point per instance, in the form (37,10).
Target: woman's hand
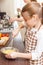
(11,20)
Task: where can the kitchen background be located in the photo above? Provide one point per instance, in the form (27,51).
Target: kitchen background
(10,7)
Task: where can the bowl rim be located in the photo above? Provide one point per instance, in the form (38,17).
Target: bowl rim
(6,48)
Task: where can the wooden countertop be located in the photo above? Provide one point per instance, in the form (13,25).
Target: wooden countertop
(4,61)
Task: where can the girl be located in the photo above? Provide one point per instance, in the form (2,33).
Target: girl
(34,35)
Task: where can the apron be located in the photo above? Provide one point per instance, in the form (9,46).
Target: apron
(30,45)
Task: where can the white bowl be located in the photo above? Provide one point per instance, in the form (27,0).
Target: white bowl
(8,48)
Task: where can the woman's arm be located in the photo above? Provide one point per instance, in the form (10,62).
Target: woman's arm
(16,19)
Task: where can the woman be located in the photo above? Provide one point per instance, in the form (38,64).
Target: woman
(34,35)
(19,9)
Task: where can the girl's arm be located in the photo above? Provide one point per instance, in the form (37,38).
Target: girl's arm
(24,55)
(19,55)
(16,31)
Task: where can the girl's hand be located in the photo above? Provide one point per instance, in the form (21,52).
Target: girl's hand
(8,56)
(12,55)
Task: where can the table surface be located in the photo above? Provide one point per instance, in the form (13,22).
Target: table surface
(4,61)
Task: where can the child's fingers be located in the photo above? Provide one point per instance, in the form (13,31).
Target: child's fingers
(8,56)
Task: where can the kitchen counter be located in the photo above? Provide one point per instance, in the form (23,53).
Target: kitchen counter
(4,61)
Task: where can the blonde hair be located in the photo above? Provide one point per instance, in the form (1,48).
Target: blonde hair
(32,8)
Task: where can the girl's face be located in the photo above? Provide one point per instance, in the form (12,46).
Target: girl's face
(30,21)
(26,16)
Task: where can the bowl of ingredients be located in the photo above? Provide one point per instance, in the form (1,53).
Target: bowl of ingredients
(8,50)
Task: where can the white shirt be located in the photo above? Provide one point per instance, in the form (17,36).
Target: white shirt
(18,4)
(39,48)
